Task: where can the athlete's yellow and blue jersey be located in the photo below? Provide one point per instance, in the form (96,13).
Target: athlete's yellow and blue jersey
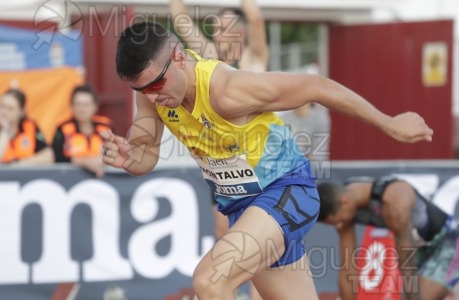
(237,161)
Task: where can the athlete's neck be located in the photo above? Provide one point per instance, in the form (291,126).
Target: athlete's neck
(190,96)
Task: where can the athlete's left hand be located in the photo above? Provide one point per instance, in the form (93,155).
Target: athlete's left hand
(409,127)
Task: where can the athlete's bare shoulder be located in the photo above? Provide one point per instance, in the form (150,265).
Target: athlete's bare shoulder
(219,83)
(223,94)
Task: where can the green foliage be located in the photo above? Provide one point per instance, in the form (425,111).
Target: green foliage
(299,33)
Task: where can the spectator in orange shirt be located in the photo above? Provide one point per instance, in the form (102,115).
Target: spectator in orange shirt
(78,139)
(21,140)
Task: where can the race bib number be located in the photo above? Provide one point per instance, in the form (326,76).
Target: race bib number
(232,176)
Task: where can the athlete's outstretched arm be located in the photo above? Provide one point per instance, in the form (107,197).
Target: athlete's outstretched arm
(190,32)
(247,92)
(138,154)
(256,28)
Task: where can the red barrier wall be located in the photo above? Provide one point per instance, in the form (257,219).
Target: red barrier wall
(383,63)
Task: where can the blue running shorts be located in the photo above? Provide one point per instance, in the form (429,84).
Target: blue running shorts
(295,207)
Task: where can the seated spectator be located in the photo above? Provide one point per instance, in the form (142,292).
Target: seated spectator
(78,139)
(21,140)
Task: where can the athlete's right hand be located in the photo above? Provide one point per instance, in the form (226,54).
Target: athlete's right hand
(116,150)
(409,127)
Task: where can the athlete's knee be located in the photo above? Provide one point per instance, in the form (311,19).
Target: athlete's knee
(209,285)
(203,287)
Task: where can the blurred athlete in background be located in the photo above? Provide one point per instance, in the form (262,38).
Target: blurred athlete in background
(416,223)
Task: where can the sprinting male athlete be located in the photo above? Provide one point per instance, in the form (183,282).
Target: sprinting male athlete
(247,155)
(238,39)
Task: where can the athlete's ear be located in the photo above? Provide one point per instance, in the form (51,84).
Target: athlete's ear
(180,57)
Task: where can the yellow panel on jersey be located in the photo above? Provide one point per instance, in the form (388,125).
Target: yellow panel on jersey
(236,160)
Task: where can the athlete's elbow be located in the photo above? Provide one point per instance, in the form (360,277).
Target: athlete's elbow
(141,167)
(319,89)
(137,172)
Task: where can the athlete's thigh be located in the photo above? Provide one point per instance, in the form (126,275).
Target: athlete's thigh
(221,223)
(250,246)
(431,290)
(293,281)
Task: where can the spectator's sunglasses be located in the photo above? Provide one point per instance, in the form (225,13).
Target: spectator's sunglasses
(159,81)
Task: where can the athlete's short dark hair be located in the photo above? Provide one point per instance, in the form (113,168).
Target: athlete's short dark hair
(138,46)
(329,193)
(84,88)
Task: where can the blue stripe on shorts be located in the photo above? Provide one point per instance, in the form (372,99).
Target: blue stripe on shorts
(293,205)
